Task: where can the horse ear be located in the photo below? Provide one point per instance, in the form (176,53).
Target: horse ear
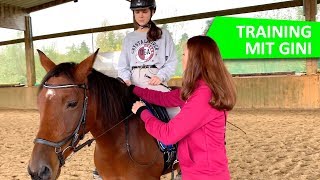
(85,67)
(46,63)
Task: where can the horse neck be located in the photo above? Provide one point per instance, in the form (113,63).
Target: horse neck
(109,140)
(109,103)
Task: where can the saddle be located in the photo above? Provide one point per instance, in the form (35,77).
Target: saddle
(169,150)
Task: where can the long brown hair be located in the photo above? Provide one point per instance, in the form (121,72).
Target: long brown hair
(154,32)
(205,62)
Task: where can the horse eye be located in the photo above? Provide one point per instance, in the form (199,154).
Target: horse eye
(72,104)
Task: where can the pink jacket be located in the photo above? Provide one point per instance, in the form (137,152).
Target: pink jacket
(199,130)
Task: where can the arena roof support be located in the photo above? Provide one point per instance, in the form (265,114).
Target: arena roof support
(310,12)
(31,74)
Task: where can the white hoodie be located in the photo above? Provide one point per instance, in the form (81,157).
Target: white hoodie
(138,51)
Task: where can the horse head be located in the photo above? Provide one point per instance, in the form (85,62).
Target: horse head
(62,103)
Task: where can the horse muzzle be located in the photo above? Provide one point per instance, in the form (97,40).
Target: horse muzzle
(43,173)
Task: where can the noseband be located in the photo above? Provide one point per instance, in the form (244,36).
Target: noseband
(75,136)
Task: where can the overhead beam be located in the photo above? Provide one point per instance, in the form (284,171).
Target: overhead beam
(47,5)
(12,17)
(242,10)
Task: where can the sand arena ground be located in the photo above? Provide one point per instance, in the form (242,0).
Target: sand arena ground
(279,144)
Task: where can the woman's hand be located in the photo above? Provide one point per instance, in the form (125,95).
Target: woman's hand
(128,82)
(136,106)
(155,80)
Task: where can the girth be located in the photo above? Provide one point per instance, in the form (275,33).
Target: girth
(169,151)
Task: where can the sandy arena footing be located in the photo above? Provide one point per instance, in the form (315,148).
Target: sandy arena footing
(279,144)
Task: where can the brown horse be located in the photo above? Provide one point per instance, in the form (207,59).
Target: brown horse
(73,100)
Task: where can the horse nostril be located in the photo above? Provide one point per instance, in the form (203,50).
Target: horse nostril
(32,174)
(45,172)
(29,170)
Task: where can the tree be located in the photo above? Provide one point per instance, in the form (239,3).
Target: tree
(13,64)
(166,27)
(207,26)
(72,54)
(84,49)
(287,13)
(76,53)
(52,52)
(179,48)
(109,41)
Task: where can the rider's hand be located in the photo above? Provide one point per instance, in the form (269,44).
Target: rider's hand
(128,82)
(136,106)
(155,80)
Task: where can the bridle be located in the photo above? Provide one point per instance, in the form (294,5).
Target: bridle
(75,136)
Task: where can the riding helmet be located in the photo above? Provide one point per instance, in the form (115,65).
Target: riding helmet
(137,4)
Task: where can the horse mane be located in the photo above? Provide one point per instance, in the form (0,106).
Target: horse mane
(66,69)
(114,101)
